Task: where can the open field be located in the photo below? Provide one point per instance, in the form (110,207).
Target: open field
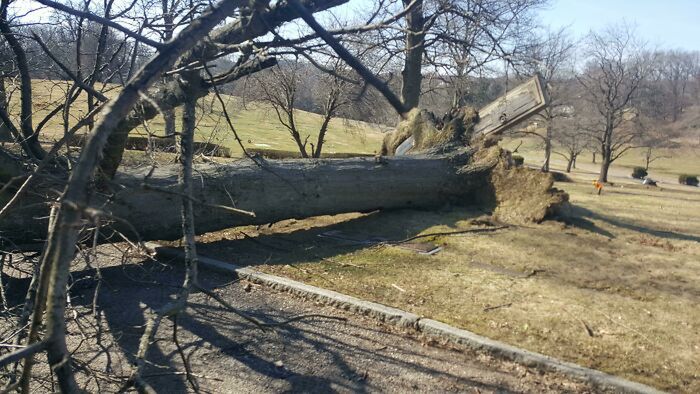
(257,125)
(617,288)
(671,163)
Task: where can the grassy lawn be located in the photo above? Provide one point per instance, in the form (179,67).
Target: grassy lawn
(671,163)
(256,124)
(616,289)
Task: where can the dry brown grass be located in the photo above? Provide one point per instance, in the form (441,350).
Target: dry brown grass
(616,289)
(256,124)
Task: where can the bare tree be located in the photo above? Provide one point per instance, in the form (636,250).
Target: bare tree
(456,39)
(678,68)
(469,38)
(29,138)
(281,87)
(656,139)
(552,57)
(614,71)
(569,141)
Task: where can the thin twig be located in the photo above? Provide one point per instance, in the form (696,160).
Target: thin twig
(185,362)
(104,21)
(445,233)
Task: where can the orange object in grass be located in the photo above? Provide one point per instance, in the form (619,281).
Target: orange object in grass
(598,186)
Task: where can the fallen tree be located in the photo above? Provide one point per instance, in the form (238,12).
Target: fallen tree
(264,191)
(452,160)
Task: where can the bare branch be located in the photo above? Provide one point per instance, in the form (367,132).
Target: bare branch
(95,18)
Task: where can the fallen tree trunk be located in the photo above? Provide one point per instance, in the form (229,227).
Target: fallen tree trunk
(272,190)
(147,206)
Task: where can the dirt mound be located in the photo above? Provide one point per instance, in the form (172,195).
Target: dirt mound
(515,194)
(560,176)
(520,194)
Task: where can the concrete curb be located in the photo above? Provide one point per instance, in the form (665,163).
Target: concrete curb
(429,327)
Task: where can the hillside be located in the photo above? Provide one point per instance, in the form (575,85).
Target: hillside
(256,124)
(688,125)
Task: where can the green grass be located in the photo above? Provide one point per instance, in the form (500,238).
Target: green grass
(672,163)
(256,124)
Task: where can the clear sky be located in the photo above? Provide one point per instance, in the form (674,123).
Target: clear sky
(668,24)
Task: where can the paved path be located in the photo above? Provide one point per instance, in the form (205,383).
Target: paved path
(229,354)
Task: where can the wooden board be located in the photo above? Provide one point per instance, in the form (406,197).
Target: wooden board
(507,111)
(513,107)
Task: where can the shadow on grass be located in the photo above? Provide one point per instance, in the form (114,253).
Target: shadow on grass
(582,214)
(306,244)
(580,218)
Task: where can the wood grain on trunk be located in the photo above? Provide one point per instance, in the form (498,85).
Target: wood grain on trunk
(273,189)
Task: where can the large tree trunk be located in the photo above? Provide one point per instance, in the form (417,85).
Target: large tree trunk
(273,190)
(605,162)
(604,168)
(148,207)
(606,151)
(411,76)
(4,130)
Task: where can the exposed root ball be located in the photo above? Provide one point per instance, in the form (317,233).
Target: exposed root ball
(429,132)
(515,194)
(525,195)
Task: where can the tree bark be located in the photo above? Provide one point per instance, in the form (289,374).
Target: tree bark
(10,167)
(604,168)
(4,130)
(547,146)
(411,74)
(168,114)
(606,150)
(32,145)
(274,190)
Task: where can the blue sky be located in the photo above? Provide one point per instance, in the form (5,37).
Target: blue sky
(667,24)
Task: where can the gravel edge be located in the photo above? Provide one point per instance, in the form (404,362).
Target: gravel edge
(429,327)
